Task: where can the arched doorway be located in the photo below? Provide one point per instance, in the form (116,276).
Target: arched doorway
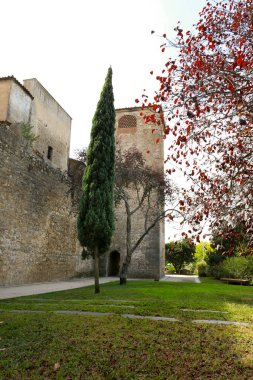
(114,263)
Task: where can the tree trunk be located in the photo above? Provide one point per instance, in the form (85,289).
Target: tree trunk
(178,268)
(125,265)
(96,270)
(123,274)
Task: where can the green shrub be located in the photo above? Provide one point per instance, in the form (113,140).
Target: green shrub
(214,264)
(202,269)
(27,133)
(215,258)
(250,264)
(214,271)
(237,267)
(169,269)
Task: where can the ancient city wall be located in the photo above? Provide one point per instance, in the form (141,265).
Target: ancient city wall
(51,123)
(15,101)
(19,104)
(38,240)
(5,87)
(37,224)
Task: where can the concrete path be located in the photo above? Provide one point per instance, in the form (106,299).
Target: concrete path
(181,278)
(48,287)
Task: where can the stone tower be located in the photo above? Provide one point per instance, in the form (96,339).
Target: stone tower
(148,259)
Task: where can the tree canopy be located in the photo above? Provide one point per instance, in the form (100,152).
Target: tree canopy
(206,95)
(180,253)
(202,250)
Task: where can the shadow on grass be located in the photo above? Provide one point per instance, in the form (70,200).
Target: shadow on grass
(112,347)
(49,346)
(148,298)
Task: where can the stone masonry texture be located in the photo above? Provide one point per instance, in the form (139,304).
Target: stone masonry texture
(37,223)
(38,240)
(148,259)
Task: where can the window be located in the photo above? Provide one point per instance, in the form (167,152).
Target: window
(50,153)
(127,121)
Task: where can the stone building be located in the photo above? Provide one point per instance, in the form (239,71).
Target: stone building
(51,123)
(37,218)
(148,259)
(31,103)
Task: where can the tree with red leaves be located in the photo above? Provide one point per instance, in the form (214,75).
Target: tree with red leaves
(206,95)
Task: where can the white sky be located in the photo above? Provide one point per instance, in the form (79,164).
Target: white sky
(69,45)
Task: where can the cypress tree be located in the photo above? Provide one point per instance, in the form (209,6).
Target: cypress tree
(96,216)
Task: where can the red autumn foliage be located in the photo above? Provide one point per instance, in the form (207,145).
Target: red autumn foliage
(206,95)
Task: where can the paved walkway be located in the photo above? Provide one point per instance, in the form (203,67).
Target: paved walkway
(48,287)
(181,278)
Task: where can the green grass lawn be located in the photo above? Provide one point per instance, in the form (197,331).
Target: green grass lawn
(46,345)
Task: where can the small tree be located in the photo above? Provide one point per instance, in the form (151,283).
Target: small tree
(142,190)
(180,253)
(202,250)
(96,218)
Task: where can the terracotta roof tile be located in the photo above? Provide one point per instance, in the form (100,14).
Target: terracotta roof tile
(11,77)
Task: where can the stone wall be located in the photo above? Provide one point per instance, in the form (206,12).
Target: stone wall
(140,136)
(15,101)
(52,124)
(19,105)
(37,223)
(149,258)
(38,240)
(5,89)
